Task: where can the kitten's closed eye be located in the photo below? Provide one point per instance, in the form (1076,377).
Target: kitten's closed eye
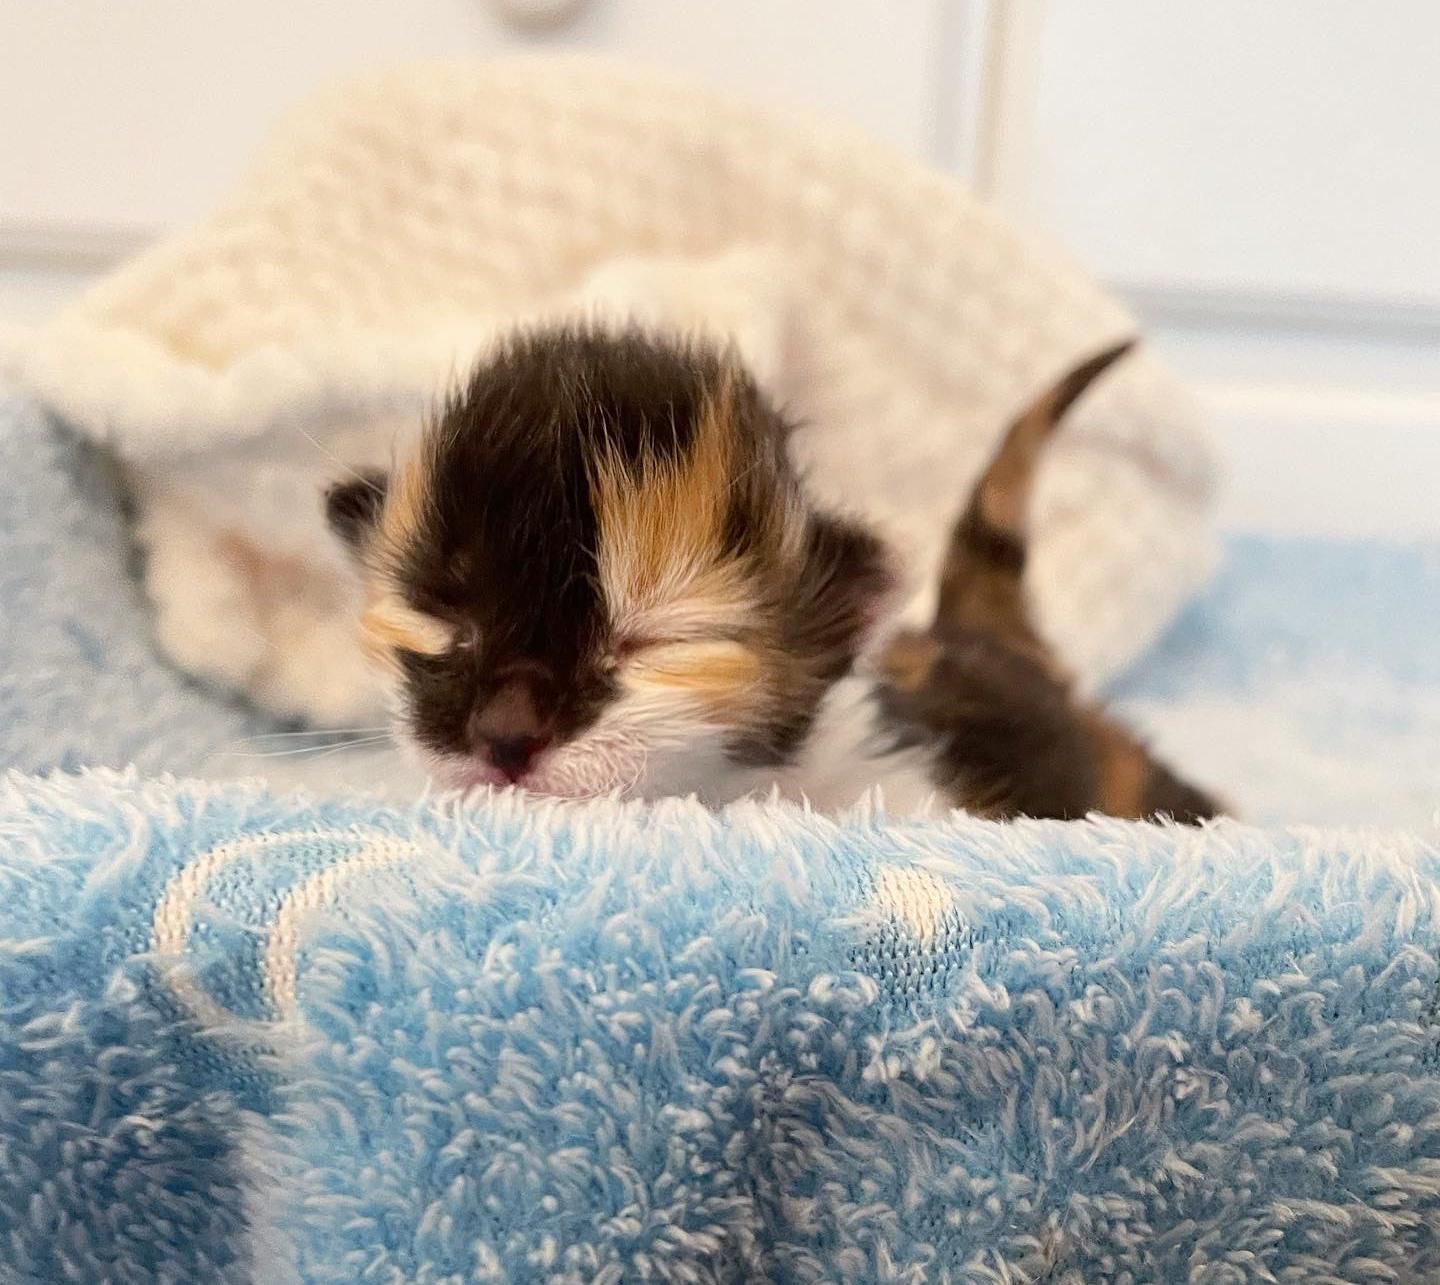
(391,625)
(630,646)
(725,679)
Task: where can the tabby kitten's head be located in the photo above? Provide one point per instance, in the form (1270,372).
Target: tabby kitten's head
(599,572)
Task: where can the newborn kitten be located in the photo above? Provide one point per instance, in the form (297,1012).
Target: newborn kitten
(599,573)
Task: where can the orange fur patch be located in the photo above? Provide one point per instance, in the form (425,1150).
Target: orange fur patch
(406,500)
(389,625)
(909,659)
(1004,494)
(726,678)
(660,530)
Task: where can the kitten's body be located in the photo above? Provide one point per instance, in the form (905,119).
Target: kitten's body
(983,694)
(600,574)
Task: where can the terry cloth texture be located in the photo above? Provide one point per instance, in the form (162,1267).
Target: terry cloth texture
(394,226)
(250,1039)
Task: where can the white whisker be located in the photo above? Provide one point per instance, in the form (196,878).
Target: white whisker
(330,732)
(333,458)
(316,751)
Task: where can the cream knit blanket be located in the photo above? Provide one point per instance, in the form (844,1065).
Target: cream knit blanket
(394,225)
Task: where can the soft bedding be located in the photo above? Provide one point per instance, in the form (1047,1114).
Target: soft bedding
(248,1035)
(256,1039)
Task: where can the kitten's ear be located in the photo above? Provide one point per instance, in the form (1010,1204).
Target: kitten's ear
(352,507)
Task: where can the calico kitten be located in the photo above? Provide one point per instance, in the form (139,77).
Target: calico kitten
(599,573)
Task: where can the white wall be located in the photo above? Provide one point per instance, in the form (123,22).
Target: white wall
(135,115)
(1262,180)
(1288,148)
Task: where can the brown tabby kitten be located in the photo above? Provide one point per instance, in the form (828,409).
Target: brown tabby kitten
(600,574)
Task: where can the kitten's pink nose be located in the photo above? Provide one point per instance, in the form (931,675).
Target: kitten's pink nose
(509,729)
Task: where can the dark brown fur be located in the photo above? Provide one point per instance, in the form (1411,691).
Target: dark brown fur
(982,685)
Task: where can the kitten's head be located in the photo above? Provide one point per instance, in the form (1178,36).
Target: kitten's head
(598,572)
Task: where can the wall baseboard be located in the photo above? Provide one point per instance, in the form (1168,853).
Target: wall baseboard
(66,246)
(1181,304)
(1327,409)
(1363,467)
(1323,433)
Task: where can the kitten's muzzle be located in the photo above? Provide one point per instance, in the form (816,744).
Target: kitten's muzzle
(513,727)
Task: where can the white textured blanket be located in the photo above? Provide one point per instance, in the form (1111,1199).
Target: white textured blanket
(394,225)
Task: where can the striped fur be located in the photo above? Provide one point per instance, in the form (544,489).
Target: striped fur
(988,695)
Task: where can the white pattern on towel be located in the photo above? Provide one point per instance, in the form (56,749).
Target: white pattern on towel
(355,854)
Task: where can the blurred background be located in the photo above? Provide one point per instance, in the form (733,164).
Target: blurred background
(1259,181)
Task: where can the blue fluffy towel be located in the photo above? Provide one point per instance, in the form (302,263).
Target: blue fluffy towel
(605,1044)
